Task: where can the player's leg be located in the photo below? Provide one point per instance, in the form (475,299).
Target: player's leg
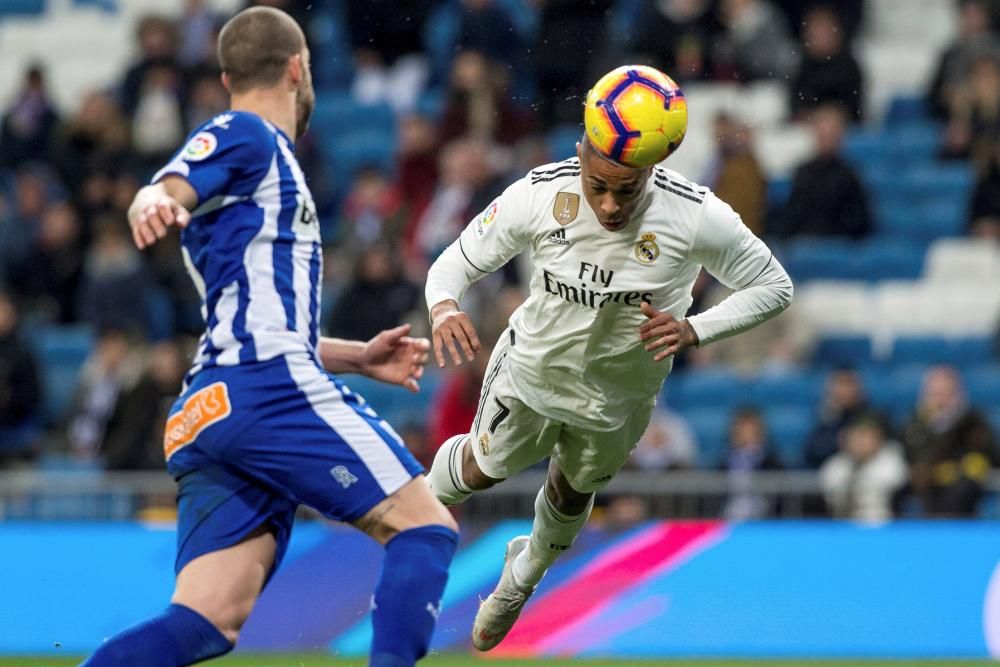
(582,463)
(420,537)
(493,450)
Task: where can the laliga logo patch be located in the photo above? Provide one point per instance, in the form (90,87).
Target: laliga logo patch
(646,250)
(200,147)
(485,218)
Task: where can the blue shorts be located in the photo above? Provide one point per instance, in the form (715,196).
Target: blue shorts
(247,444)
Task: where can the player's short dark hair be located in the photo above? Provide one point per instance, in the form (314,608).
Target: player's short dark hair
(255,45)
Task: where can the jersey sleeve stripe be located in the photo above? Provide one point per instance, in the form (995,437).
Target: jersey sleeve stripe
(536,181)
(769,260)
(679,193)
(462,248)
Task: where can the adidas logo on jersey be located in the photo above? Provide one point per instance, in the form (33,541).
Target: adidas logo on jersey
(558,237)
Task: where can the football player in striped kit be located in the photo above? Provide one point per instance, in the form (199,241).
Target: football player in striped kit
(262,425)
(615,251)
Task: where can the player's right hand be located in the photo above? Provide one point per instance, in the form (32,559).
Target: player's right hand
(452,330)
(152,212)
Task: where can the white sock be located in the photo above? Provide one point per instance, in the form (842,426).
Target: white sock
(445,476)
(552,533)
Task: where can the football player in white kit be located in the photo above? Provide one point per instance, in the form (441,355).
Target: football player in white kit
(616,251)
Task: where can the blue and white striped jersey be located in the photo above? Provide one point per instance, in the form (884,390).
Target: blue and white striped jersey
(253,245)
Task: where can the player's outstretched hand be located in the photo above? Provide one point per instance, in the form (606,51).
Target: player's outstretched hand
(152,212)
(663,329)
(394,357)
(452,330)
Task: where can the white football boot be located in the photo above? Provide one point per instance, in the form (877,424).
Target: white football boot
(498,612)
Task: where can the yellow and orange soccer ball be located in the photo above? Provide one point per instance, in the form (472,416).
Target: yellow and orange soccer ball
(635,115)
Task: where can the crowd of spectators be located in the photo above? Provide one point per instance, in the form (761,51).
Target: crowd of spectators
(68,176)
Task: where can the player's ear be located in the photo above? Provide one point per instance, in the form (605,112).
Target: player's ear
(579,151)
(295,69)
(225,82)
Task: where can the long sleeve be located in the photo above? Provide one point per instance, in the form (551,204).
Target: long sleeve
(740,261)
(493,237)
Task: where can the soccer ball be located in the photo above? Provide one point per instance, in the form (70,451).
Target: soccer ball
(635,115)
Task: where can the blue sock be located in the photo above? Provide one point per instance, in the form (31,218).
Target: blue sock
(179,636)
(408,594)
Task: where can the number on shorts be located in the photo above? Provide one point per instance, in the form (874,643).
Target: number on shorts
(500,415)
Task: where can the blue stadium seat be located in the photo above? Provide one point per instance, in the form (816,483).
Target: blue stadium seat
(778,191)
(21,8)
(789,426)
(843,350)
(561,141)
(704,389)
(798,389)
(834,259)
(440,37)
(905,110)
(900,260)
(338,115)
(912,143)
(864,148)
(983,386)
(710,426)
(966,352)
(902,391)
(61,351)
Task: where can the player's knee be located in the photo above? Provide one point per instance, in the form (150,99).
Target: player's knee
(473,477)
(228,616)
(565,498)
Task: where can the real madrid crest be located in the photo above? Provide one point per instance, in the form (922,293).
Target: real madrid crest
(646,250)
(484,444)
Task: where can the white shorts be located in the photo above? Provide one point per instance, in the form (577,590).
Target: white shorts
(508,436)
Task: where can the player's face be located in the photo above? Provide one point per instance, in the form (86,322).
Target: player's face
(613,191)
(306,98)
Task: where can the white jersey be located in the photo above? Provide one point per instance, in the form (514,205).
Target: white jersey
(577,356)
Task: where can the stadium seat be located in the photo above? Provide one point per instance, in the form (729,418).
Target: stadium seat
(833,259)
(21,8)
(710,426)
(912,143)
(904,110)
(61,351)
(902,259)
(789,426)
(966,352)
(982,383)
(798,389)
(963,260)
(902,392)
(836,308)
(843,351)
(703,389)
(561,141)
(778,191)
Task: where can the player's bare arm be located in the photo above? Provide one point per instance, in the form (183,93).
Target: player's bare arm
(159,206)
(392,357)
(661,329)
(452,330)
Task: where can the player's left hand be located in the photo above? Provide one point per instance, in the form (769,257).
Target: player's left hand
(663,329)
(394,357)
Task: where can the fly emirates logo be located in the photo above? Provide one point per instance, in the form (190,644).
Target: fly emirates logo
(591,291)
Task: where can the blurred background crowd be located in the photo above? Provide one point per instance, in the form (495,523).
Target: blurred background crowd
(861,139)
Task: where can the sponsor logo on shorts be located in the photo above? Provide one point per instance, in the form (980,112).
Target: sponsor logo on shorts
(484,444)
(202,409)
(558,547)
(343,475)
(606,478)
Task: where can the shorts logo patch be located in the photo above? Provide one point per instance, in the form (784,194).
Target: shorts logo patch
(200,147)
(566,207)
(343,476)
(484,444)
(202,409)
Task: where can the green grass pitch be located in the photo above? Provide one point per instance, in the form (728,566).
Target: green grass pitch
(316,660)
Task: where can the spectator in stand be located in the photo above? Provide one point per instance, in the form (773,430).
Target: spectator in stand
(20,388)
(756,43)
(487,28)
(667,444)
(478,104)
(157,120)
(206,99)
(372,211)
(28,128)
(843,403)
(860,482)
(47,277)
(116,284)
(464,178)
(563,56)
(380,297)
(950,447)
(158,42)
(133,436)
(984,207)
(828,73)
(975,38)
(676,37)
(96,137)
(112,368)
(198,29)
(388,50)
(827,198)
(973,129)
(19,227)
(417,165)
(750,451)
(735,175)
